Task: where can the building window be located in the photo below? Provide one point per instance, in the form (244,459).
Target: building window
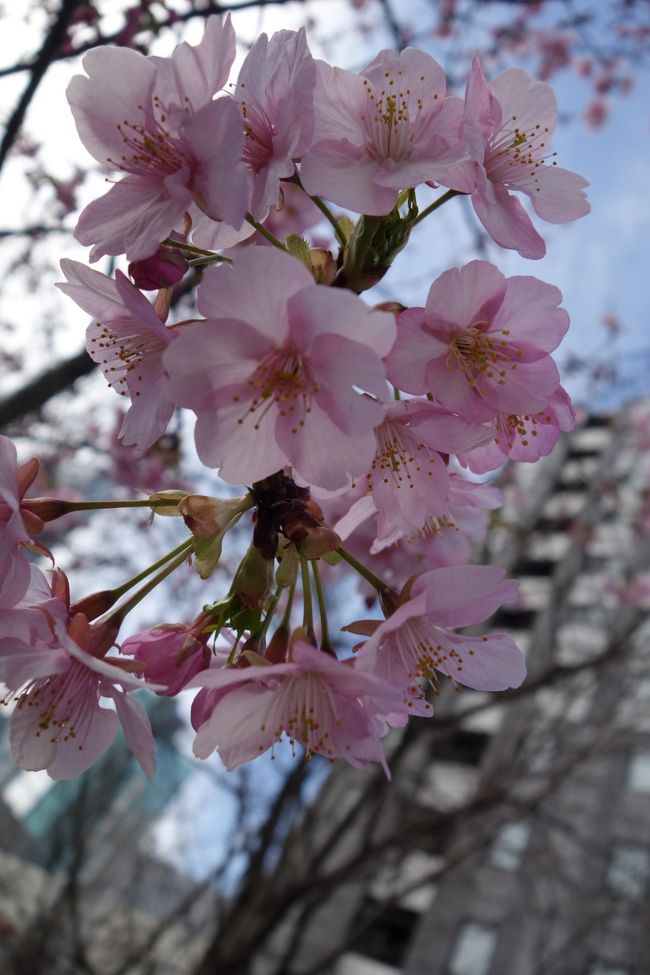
(473,950)
(627,873)
(509,845)
(638,774)
(385,938)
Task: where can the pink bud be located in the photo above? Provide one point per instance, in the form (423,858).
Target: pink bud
(162,270)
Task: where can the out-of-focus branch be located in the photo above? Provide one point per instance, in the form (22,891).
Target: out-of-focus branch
(175,18)
(37,230)
(50,383)
(36,393)
(47,54)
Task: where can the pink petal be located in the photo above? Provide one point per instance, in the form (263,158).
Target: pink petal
(132,218)
(486,663)
(464,595)
(137,731)
(527,102)
(201,71)
(530,312)
(221,183)
(119,86)
(276,277)
(508,224)
(558,195)
(464,295)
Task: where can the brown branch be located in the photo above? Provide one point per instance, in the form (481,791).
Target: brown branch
(209,8)
(47,54)
(36,393)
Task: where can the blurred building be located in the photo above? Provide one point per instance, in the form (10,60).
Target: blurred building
(81,888)
(537,861)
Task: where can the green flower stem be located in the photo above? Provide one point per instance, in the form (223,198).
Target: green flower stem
(286,616)
(138,596)
(434,206)
(359,244)
(206,260)
(329,216)
(273,603)
(190,248)
(359,567)
(265,233)
(183,547)
(325,641)
(308,608)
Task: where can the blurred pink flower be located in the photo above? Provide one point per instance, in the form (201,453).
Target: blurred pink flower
(16,524)
(170,654)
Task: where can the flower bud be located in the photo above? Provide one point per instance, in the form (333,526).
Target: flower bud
(394,307)
(323,265)
(162,270)
(96,604)
(253,579)
(208,517)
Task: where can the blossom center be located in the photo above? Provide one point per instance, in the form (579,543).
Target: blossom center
(259,133)
(64,704)
(400,458)
(514,155)
(151,149)
(389,130)
(481,356)
(308,711)
(424,651)
(283,380)
(125,354)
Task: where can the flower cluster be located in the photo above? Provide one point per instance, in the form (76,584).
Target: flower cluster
(347,423)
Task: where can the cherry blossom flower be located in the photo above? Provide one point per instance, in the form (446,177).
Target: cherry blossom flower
(275,89)
(127,340)
(408,480)
(16,524)
(480,346)
(155,120)
(170,654)
(387,129)
(416,643)
(58,723)
(328,707)
(274,374)
(507,126)
(523,438)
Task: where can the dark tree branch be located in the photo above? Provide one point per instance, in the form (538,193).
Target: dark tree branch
(47,54)
(36,393)
(99,40)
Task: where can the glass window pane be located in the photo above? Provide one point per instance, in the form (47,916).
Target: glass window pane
(638,774)
(628,870)
(509,846)
(473,950)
